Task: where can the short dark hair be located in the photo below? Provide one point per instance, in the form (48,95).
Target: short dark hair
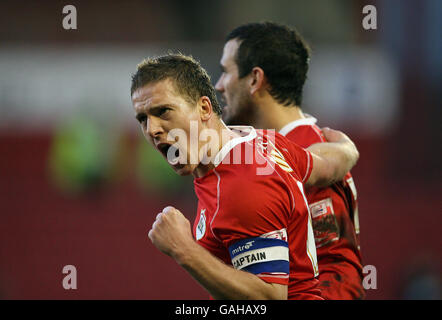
(280,51)
(189,77)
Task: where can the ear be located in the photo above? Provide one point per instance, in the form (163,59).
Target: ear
(205,108)
(257,81)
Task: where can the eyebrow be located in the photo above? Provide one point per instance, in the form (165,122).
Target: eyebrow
(151,110)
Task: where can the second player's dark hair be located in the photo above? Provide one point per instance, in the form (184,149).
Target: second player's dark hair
(280,51)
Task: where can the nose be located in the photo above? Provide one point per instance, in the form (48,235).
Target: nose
(219,84)
(154,128)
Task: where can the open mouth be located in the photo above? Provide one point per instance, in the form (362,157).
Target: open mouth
(170,152)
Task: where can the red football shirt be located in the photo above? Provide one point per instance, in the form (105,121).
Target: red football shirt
(334,212)
(252,212)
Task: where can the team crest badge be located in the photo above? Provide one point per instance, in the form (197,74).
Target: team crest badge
(201,227)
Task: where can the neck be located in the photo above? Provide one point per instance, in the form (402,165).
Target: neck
(213,147)
(273,115)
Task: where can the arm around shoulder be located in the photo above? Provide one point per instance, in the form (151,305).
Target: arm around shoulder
(332,159)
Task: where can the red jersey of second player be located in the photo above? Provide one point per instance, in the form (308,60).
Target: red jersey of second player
(252,212)
(335,220)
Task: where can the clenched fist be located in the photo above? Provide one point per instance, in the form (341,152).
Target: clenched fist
(171,232)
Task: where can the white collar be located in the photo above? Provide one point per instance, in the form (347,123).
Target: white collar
(300,122)
(234,142)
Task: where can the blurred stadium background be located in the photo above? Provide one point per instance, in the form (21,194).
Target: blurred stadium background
(79,186)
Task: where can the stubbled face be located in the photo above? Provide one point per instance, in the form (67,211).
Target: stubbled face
(160,109)
(238,109)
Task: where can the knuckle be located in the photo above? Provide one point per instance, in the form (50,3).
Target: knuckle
(168,209)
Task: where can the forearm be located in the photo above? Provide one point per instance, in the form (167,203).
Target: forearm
(335,159)
(223,281)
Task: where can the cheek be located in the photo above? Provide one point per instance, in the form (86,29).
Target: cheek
(235,96)
(145,134)
(186,124)
(229,85)
(186,130)
(234,89)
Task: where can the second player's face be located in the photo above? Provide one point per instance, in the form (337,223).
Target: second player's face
(237,109)
(159,110)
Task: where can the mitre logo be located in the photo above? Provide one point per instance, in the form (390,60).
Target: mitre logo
(246,246)
(201,227)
